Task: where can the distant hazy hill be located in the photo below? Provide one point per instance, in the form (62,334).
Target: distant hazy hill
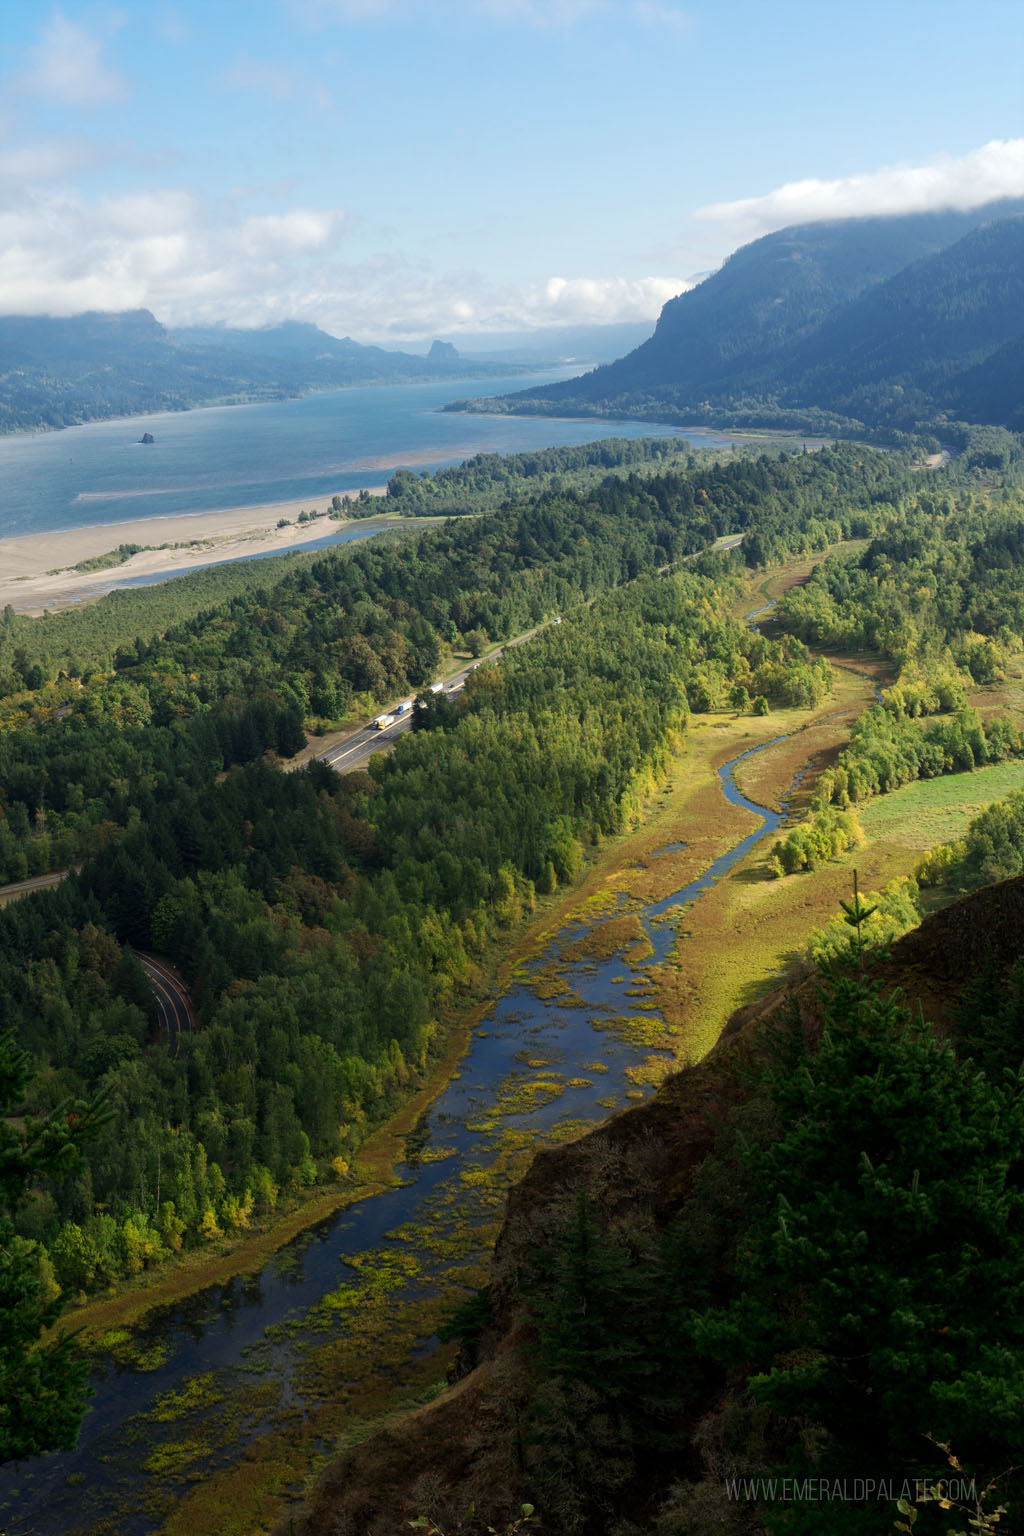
(56,373)
(885,321)
(584,345)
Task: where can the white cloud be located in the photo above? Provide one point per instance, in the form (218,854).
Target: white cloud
(577,300)
(995,170)
(45,159)
(162,250)
(192,262)
(67,66)
(288,234)
(137,215)
(401,302)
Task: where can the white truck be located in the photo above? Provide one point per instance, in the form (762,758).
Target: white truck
(404,707)
(383,721)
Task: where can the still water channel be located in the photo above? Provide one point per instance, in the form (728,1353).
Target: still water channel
(235,1362)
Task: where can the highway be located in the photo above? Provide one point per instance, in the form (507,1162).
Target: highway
(173,1003)
(356,750)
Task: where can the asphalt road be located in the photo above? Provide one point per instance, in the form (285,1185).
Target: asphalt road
(356,750)
(172,999)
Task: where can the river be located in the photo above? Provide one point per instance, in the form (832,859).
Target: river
(279,451)
(348,1310)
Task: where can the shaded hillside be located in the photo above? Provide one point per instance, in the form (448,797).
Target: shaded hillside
(719,336)
(862,320)
(993,389)
(89,367)
(900,348)
(667,1208)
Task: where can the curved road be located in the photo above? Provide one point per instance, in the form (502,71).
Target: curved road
(177,1016)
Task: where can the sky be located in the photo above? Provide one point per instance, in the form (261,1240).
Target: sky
(395,170)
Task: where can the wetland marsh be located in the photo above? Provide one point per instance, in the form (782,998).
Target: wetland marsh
(213,1412)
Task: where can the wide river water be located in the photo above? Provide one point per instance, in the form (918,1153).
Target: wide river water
(237,1362)
(255,455)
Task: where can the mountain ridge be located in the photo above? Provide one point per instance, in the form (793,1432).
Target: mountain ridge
(764,333)
(97,365)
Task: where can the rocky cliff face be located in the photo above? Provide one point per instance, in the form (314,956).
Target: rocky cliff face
(465,1451)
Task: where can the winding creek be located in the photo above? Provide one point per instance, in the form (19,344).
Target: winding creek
(348,1311)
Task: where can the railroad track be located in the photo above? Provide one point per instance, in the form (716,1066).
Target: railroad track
(177,1016)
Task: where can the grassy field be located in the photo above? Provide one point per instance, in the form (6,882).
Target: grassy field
(934,811)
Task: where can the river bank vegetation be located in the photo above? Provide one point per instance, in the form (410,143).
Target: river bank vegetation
(695,1336)
(332,929)
(325,925)
(328,928)
(489,480)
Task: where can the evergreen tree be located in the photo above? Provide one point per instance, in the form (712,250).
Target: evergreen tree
(604,1400)
(43,1388)
(882,1299)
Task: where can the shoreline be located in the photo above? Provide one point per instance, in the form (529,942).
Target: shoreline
(36,572)
(232,402)
(732,436)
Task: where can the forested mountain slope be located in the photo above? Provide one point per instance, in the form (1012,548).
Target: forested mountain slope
(59,372)
(899,349)
(866,321)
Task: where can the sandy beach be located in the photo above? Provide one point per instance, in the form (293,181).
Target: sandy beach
(206,537)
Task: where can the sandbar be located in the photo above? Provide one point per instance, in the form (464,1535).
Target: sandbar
(27,561)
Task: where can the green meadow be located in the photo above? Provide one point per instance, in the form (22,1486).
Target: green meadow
(932,811)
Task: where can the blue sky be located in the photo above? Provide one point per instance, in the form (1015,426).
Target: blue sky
(397,169)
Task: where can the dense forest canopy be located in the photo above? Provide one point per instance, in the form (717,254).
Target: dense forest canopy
(489,479)
(327,927)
